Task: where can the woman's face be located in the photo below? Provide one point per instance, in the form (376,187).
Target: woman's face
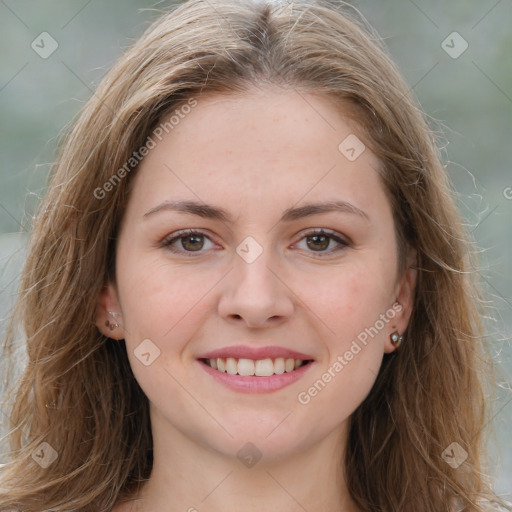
(255,177)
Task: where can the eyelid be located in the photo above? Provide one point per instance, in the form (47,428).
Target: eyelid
(340,239)
(176,235)
(324,231)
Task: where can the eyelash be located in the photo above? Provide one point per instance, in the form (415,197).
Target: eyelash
(168,241)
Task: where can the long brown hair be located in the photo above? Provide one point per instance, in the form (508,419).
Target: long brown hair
(78,393)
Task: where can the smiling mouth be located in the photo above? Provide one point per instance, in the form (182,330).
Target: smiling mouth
(255,367)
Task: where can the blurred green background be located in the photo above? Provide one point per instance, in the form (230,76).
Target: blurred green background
(470,94)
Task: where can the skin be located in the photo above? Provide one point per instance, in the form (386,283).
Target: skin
(255,155)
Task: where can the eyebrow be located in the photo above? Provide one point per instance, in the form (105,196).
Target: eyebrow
(208,211)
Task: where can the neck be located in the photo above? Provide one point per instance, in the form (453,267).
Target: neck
(190,477)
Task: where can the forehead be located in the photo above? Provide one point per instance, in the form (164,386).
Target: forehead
(264,121)
(263,145)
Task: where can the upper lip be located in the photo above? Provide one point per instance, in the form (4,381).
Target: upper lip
(247,352)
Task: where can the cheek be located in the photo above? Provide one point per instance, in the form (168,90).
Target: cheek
(356,308)
(166,305)
(353,297)
(162,302)
(353,308)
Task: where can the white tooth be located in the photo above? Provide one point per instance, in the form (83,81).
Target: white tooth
(221,364)
(231,366)
(289,365)
(213,363)
(298,363)
(245,367)
(264,368)
(279,365)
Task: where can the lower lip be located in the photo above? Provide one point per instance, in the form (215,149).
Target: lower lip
(253,384)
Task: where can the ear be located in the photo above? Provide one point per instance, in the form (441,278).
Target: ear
(403,306)
(108,313)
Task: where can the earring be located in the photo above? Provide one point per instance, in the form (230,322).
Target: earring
(396,339)
(113,325)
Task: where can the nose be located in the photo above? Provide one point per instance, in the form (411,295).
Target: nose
(256,293)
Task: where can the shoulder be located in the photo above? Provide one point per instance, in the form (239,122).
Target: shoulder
(490,506)
(505,507)
(123,507)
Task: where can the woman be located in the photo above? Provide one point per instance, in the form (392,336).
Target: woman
(248,285)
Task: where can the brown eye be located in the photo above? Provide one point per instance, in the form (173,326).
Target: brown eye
(186,242)
(192,242)
(318,241)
